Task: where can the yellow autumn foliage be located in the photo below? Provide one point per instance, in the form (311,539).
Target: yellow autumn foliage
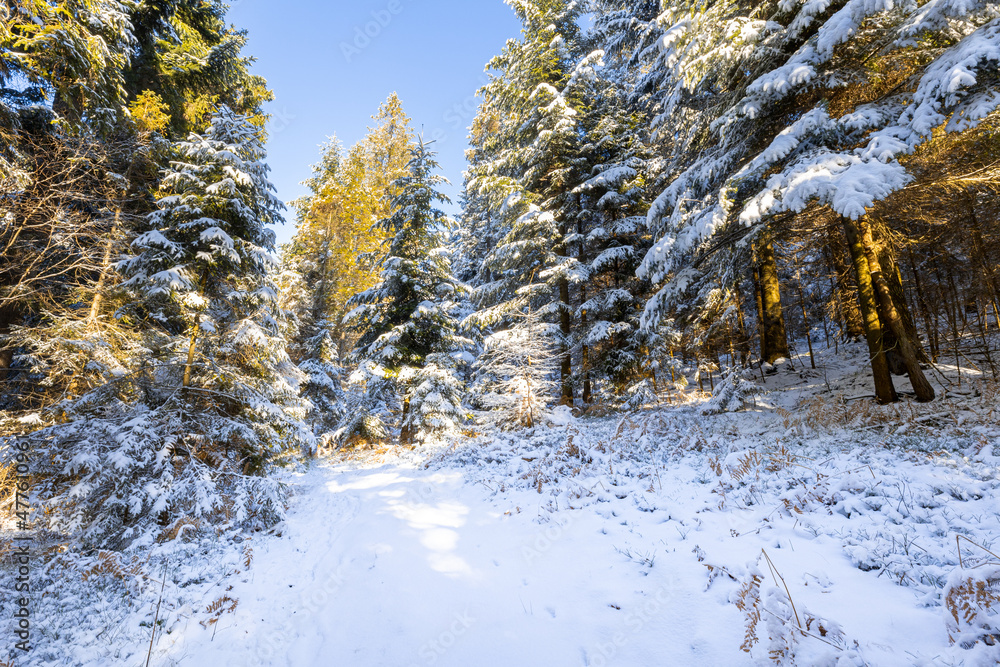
(150,112)
(350,192)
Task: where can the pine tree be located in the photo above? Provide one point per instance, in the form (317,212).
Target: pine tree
(201,281)
(186,54)
(787,112)
(528,168)
(349,192)
(610,239)
(202,268)
(407,321)
(76,49)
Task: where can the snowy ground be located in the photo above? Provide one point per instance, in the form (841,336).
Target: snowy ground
(606,542)
(393,565)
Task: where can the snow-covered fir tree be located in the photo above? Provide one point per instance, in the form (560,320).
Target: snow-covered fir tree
(528,164)
(186,433)
(408,321)
(780,115)
(517,375)
(609,241)
(312,343)
(202,273)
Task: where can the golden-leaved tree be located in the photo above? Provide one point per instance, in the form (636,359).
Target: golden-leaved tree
(349,192)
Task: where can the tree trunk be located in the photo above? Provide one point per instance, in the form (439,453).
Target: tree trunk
(585,354)
(907,346)
(894,279)
(585,351)
(193,343)
(95,306)
(950,315)
(759,301)
(885,392)
(805,320)
(743,346)
(922,303)
(988,266)
(854,327)
(890,344)
(775,339)
(566,370)
(406,432)
(6,359)
(8,316)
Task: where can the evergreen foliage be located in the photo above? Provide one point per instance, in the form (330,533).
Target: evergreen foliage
(407,321)
(516,376)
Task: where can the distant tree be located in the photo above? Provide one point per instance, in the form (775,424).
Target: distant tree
(517,373)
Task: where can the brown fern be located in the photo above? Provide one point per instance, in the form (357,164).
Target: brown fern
(974,604)
(109,565)
(224,605)
(746,464)
(715,465)
(171,532)
(748,602)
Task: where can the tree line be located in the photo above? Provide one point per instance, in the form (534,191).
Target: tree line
(657,194)
(728,179)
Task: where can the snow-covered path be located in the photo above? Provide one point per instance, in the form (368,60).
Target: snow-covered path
(594,544)
(660,538)
(400,566)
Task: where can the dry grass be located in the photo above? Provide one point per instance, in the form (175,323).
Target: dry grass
(978,406)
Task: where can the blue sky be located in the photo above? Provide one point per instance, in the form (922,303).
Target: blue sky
(329,76)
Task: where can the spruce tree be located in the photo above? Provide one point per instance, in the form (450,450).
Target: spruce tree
(186,54)
(186,429)
(524,172)
(202,269)
(408,320)
(76,49)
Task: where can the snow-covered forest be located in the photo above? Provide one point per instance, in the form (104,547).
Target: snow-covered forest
(705,372)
